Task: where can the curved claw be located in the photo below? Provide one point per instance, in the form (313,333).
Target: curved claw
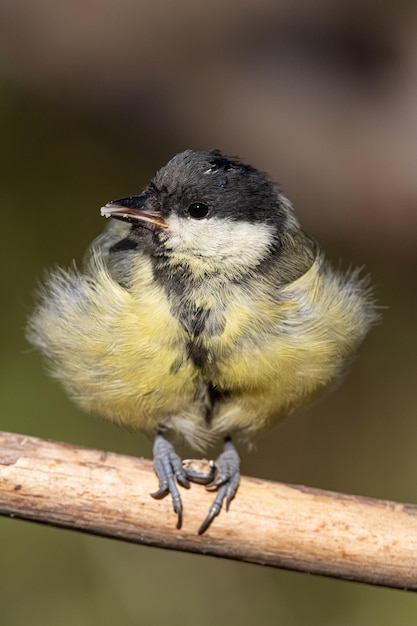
(215,509)
(226,481)
(160,493)
(168,466)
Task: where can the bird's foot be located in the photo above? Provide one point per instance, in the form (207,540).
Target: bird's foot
(226,481)
(167,465)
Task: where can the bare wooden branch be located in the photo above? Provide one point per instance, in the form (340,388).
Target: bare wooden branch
(274,524)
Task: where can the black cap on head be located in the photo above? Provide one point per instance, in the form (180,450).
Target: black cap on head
(231,189)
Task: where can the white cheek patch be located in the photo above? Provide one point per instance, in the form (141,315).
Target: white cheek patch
(230,243)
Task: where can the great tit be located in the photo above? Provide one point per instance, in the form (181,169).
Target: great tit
(202,312)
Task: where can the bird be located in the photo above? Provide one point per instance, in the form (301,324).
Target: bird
(202,313)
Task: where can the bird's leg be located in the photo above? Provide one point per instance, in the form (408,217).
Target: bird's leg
(167,465)
(226,481)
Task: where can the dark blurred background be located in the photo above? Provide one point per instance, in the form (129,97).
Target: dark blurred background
(323,95)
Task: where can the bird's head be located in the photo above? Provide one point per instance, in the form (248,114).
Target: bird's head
(208,211)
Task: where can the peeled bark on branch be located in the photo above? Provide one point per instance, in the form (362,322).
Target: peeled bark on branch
(275,524)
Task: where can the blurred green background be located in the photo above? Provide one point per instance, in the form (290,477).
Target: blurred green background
(93,98)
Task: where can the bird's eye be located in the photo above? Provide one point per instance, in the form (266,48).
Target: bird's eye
(198,210)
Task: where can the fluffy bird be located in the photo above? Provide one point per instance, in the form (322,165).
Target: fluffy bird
(203,311)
